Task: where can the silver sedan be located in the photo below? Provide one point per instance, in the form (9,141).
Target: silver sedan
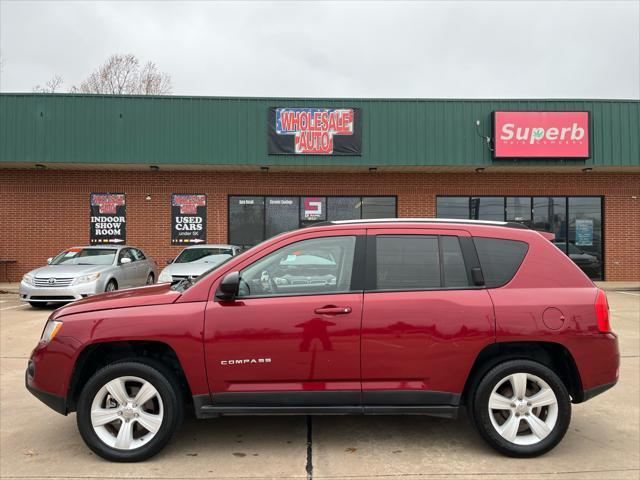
(81,271)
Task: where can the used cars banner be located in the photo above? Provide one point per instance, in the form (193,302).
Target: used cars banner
(188,219)
(315,131)
(108,214)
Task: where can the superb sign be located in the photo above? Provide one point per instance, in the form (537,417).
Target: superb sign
(315,131)
(541,134)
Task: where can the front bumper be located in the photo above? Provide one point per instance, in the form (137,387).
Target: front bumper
(49,371)
(59,404)
(29,293)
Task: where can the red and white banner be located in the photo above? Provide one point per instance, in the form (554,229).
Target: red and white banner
(541,134)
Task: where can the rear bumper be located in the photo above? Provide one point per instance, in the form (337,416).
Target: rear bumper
(597,390)
(597,358)
(59,404)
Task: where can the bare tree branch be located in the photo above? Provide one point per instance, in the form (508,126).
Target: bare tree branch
(122,75)
(52,85)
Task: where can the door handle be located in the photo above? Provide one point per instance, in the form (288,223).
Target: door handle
(333,310)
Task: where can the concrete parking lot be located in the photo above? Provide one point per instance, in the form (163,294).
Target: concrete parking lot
(603,441)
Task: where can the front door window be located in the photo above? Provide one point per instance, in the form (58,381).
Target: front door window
(310,267)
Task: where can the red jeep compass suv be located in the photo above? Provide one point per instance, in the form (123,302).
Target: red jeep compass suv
(396,316)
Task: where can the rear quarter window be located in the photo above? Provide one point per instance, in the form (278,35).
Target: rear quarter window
(499,259)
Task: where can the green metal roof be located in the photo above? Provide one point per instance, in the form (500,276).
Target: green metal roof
(174,130)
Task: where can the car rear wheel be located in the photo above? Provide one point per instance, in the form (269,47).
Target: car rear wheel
(128,411)
(38,304)
(150,279)
(112,286)
(521,408)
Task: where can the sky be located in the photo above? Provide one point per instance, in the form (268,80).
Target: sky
(429,49)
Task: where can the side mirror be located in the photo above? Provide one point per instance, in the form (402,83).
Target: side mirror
(125,260)
(170,261)
(49,260)
(229,286)
(477,277)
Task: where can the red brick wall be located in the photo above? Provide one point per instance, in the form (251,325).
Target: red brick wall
(43,212)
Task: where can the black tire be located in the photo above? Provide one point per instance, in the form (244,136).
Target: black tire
(481,415)
(168,389)
(39,304)
(150,279)
(111,286)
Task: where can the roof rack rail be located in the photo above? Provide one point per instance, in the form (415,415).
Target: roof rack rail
(423,220)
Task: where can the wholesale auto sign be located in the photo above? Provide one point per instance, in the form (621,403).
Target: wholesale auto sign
(541,134)
(315,131)
(108,218)
(188,219)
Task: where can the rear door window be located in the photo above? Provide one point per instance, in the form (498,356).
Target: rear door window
(137,254)
(407,262)
(499,259)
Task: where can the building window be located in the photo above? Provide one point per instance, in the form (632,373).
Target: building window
(575,221)
(246,220)
(378,207)
(518,209)
(344,208)
(281,215)
(253,219)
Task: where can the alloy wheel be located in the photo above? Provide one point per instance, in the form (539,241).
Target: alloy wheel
(523,408)
(127,413)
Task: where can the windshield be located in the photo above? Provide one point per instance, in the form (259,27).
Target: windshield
(85,256)
(204,255)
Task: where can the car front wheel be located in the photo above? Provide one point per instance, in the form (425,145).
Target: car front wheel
(128,411)
(521,408)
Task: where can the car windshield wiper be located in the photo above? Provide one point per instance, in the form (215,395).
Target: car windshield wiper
(183,284)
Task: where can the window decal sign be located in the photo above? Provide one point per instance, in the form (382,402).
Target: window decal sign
(188,219)
(108,218)
(584,232)
(315,131)
(541,134)
(313,208)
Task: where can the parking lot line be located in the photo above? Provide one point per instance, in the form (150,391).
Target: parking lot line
(629,293)
(11,308)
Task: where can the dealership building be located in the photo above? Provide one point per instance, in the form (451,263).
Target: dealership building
(161,173)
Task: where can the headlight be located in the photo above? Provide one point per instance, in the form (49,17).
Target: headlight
(50,331)
(165,277)
(86,279)
(28,279)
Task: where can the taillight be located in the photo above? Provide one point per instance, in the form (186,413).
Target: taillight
(602,312)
